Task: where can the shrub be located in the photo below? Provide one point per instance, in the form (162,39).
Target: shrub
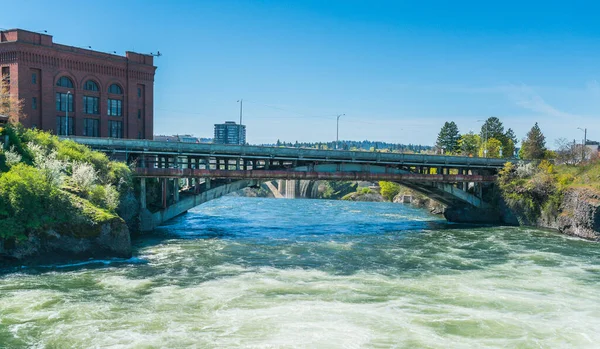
(83,175)
(105,196)
(389,190)
(25,200)
(47,161)
(12,157)
(525,170)
(365,190)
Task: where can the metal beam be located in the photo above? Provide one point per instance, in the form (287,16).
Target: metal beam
(274,174)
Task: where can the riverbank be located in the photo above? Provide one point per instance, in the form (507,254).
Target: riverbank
(59,200)
(565,198)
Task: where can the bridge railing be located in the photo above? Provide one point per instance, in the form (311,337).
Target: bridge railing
(259,152)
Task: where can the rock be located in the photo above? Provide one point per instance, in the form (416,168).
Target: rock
(580,214)
(471,214)
(113,240)
(368,197)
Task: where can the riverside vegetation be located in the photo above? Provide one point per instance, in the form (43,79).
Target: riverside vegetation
(61,199)
(564,197)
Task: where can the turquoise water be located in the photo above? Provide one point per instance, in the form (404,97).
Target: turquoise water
(265,273)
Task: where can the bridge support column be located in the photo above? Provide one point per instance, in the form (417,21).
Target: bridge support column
(176,189)
(142,193)
(207,181)
(163,183)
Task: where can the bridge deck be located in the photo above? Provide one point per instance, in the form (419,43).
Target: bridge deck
(129,146)
(291,174)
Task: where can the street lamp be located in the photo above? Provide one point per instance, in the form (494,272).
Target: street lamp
(241,101)
(584,142)
(485,136)
(337,133)
(67,114)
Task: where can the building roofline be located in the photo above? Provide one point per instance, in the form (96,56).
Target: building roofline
(77,49)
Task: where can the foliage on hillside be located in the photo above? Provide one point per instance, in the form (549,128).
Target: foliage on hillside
(389,190)
(536,191)
(46,184)
(337,189)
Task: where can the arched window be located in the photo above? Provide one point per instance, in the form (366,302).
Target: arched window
(116,89)
(90,85)
(64,82)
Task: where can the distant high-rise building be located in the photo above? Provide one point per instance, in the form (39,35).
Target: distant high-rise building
(230,133)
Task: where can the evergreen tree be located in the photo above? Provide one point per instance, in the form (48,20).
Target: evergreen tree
(533,146)
(508,149)
(448,137)
(492,128)
(510,134)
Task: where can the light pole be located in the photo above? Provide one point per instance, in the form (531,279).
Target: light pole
(67,113)
(485,136)
(241,101)
(584,142)
(337,132)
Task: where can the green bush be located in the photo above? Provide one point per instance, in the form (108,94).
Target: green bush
(25,201)
(365,190)
(389,190)
(32,203)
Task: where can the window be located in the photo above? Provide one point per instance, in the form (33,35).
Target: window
(91,86)
(115,107)
(33,103)
(139,113)
(61,101)
(61,125)
(91,127)
(6,76)
(34,78)
(115,129)
(64,82)
(139,92)
(91,105)
(115,89)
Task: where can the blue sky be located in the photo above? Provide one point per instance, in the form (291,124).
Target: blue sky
(397,69)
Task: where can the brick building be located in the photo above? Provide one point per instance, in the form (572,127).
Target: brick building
(103,95)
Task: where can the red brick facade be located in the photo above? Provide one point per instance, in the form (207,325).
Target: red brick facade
(35,64)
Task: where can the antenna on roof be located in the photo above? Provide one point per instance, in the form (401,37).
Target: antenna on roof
(42,31)
(157,54)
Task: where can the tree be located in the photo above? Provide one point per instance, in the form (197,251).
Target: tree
(534,145)
(389,190)
(492,146)
(508,149)
(469,144)
(510,134)
(9,105)
(448,137)
(492,128)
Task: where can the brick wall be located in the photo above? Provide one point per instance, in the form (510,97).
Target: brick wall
(29,53)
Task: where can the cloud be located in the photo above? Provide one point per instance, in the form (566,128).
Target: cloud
(525,97)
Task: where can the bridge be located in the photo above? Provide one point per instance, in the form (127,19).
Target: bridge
(185,175)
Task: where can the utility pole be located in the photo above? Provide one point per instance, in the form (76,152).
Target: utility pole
(584,142)
(67,114)
(337,133)
(485,136)
(240,127)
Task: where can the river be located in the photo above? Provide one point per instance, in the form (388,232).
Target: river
(264,273)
